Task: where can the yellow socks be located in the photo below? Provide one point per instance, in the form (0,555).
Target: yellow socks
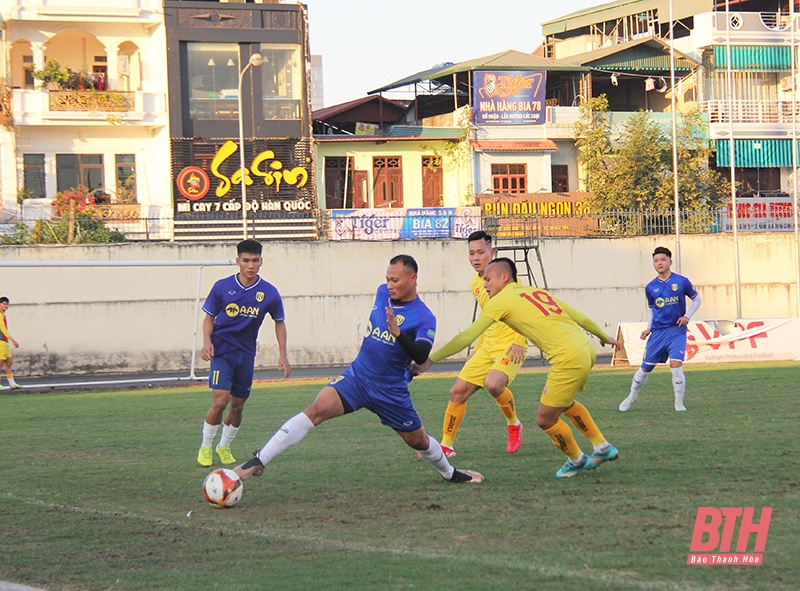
(506,403)
(452,421)
(584,422)
(562,438)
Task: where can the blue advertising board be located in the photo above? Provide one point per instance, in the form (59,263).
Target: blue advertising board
(509,98)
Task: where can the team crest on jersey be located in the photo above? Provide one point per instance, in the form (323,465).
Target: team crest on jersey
(400,319)
(674,287)
(259,296)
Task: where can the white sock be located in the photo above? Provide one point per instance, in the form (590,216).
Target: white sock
(228,433)
(291,433)
(209,432)
(11,382)
(436,458)
(639,379)
(678,382)
(602,448)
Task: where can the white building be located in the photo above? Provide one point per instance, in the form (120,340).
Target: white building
(107,129)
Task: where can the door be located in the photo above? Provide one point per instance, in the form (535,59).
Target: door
(388,181)
(432,189)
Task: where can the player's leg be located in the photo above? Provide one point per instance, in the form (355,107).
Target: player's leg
(678,383)
(455,412)
(10,372)
(342,395)
(220,380)
(431,451)
(3,358)
(497,381)
(655,352)
(242,364)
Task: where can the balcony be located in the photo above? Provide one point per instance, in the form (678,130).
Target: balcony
(751,111)
(42,107)
(80,10)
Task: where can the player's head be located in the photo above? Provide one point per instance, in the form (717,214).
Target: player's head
(249,259)
(480,250)
(401,278)
(499,273)
(4,304)
(662,259)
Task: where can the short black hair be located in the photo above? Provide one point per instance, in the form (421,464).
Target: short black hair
(479,235)
(663,250)
(4,300)
(512,267)
(249,246)
(407,260)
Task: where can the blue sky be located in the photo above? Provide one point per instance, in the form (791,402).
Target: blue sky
(367,44)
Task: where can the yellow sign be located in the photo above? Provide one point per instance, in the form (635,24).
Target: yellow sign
(297,176)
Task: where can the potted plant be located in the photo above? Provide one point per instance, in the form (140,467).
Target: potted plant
(52,76)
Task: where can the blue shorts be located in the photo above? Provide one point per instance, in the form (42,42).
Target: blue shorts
(232,371)
(664,344)
(391,402)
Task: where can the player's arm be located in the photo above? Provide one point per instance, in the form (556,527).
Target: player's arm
(462,340)
(646,332)
(418,349)
(587,324)
(281,336)
(207,352)
(5,332)
(684,320)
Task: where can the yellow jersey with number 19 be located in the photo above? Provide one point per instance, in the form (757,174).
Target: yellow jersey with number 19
(498,337)
(550,324)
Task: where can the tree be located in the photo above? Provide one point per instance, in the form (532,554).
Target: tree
(593,140)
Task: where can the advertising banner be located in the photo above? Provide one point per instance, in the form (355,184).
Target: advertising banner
(760,214)
(722,341)
(509,98)
(538,214)
(404,224)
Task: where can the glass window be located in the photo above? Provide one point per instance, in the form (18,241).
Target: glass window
(33,172)
(509,178)
(73,170)
(126,178)
(281,80)
(213,71)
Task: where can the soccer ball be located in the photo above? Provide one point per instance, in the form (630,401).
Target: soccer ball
(223,488)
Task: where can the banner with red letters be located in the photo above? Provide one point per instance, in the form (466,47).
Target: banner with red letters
(722,341)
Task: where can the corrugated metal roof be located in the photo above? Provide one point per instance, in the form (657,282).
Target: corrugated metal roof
(505,60)
(650,53)
(619,8)
(754,57)
(327,112)
(755,153)
(417,131)
(514,146)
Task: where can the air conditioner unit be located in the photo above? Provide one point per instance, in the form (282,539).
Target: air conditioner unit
(786,83)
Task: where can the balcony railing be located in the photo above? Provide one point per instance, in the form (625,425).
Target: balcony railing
(751,111)
(71,100)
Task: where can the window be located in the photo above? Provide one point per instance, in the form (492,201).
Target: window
(33,173)
(126,178)
(281,81)
(213,72)
(509,178)
(559,175)
(387,177)
(73,170)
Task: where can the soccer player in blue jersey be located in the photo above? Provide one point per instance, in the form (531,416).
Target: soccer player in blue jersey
(667,318)
(401,328)
(235,309)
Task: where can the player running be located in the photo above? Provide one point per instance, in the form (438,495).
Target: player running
(400,328)
(667,319)
(5,352)
(555,328)
(498,355)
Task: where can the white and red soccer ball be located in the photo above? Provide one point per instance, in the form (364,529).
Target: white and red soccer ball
(222,488)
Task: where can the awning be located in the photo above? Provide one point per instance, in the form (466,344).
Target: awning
(755,153)
(514,146)
(754,57)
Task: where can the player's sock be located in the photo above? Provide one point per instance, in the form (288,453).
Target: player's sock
(452,421)
(639,378)
(564,440)
(291,433)
(678,383)
(584,422)
(10,378)
(209,432)
(436,458)
(228,433)
(506,403)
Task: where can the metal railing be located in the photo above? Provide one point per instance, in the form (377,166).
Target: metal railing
(750,111)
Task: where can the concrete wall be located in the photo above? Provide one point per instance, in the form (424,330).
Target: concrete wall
(100,320)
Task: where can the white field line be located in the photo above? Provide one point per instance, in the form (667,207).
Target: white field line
(618,580)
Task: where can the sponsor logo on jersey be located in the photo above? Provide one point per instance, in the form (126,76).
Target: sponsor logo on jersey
(232,292)
(259,296)
(379,335)
(234,310)
(661,302)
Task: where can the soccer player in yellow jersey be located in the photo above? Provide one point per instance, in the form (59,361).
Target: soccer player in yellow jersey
(555,328)
(5,339)
(493,365)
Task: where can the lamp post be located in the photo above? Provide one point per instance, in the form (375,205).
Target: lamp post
(255,60)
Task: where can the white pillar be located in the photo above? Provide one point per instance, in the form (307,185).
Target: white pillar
(38,56)
(112,67)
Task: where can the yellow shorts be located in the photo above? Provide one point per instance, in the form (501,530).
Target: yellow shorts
(5,352)
(483,361)
(565,380)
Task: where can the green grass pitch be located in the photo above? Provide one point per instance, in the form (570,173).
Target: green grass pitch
(101,491)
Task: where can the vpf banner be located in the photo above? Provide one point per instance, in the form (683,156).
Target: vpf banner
(724,341)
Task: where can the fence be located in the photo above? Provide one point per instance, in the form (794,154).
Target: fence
(400,224)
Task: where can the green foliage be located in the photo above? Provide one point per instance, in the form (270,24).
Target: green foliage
(634,170)
(52,72)
(118,504)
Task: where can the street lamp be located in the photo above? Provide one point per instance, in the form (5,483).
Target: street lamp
(255,60)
